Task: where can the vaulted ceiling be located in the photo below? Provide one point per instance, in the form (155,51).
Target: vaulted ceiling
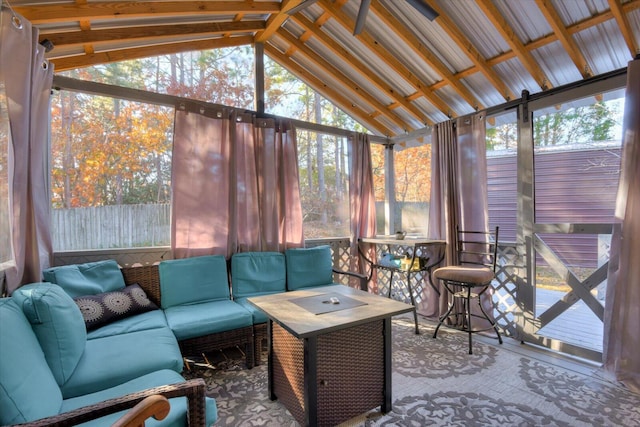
(402,72)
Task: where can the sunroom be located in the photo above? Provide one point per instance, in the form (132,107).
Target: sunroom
(155,131)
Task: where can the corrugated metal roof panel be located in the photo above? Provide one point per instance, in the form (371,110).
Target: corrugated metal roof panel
(483,90)
(526,21)
(377,66)
(431,112)
(598,44)
(450,97)
(556,64)
(431,35)
(476,26)
(517,77)
(409,77)
(573,12)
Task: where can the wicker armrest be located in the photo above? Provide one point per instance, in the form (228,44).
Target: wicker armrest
(148,277)
(193,390)
(362,278)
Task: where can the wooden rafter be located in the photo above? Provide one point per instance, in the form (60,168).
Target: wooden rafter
(389,59)
(364,70)
(275,21)
(326,91)
(150,32)
(420,49)
(501,24)
(465,45)
(567,41)
(550,38)
(87,33)
(47,14)
(625,27)
(356,90)
(79,61)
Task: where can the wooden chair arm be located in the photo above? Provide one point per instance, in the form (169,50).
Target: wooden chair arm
(193,390)
(156,406)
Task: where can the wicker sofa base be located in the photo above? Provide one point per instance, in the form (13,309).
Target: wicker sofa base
(242,338)
(259,341)
(349,373)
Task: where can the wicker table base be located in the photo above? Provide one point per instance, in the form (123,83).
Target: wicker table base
(345,373)
(329,363)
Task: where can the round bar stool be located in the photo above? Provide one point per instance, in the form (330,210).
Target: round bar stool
(467,281)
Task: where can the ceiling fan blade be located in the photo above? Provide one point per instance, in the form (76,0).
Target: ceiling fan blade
(298,8)
(424,9)
(362,16)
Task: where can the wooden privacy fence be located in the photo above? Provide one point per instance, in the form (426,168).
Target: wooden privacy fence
(105,227)
(572,186)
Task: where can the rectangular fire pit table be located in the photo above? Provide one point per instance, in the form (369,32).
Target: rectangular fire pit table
(329,352)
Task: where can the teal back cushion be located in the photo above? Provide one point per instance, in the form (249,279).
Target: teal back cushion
(309,267)
(87,279)
(257,273)
(58,324)
(192,280)
(28,390)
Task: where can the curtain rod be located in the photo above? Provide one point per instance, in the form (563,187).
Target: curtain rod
(550,92)
(68,83)
(139,95)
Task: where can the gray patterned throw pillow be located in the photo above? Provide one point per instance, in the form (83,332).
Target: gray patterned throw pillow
(100,309)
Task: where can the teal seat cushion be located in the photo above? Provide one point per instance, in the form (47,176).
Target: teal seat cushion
(190,280)
(309,267)
(196,320)
(86,279)
(58,324)
(257,315)
(257,273)
(177,415)
(116,359)
(140,322)
(28,390)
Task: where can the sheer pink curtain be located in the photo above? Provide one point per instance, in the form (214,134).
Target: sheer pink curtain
(269,209)
(201,203)
(235,183)
(362,201)
(458,191)
(27,78)
(622,313)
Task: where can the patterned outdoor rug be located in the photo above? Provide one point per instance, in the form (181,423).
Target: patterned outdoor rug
(437,383)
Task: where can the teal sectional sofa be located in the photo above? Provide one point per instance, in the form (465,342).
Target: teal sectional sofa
(94,334)
(58,366)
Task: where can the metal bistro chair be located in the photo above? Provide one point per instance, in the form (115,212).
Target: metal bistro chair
(477,256)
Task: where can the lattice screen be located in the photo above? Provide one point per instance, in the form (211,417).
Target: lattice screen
(505,286)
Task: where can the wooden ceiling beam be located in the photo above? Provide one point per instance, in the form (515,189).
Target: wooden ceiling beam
(423,52)
(562,34)
(276,20)
(329,93)
(625,27)
(362,68)
(355,89)
(47,14)
(149,32)
(81,61)
(525,57)
(389,59)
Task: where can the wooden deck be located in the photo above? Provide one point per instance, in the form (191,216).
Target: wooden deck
(578,325)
